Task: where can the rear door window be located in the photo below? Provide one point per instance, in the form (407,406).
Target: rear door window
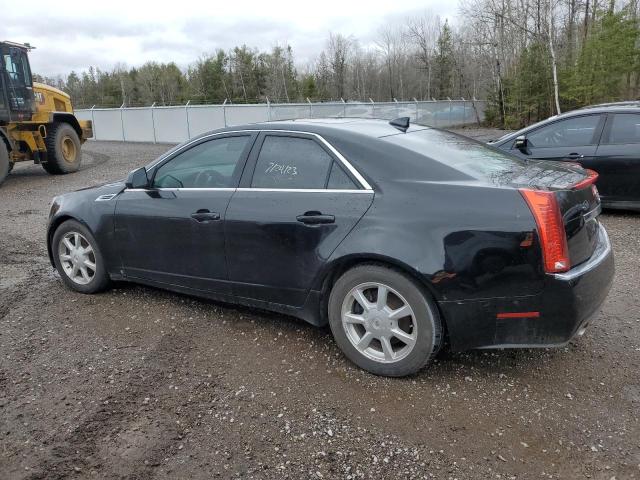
(624,129)
(339,180)
(291,163)
(571,132)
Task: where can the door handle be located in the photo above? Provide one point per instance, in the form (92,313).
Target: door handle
(204,215)
(575,156)
(315,218)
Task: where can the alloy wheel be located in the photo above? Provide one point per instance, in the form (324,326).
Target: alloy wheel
(77,258)
(379,322)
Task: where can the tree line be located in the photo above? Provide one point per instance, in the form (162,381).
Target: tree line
(529,58)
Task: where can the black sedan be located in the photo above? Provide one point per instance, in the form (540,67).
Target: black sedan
(399,237)
(604,138)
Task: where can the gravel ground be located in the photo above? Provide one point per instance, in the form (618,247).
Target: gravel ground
(140,383)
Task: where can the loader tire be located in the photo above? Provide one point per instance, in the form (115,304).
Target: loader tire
(5,165)
(63,150)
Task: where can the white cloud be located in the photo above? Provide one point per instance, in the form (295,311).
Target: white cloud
(74,35)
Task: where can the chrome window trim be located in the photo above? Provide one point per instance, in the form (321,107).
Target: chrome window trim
(363,183)
(178,189)
(304,190)
(248,189)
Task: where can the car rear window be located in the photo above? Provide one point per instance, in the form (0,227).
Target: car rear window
(468,156)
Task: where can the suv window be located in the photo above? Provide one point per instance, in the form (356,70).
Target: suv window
(291,162)
(572,132)
(211,164)
(625,128)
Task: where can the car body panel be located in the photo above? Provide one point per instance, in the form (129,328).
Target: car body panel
(178,249)
(272,256)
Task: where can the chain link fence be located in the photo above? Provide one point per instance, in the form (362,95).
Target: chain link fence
(176,124)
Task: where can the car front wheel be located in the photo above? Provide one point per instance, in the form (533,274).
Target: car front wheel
(383,321)
(78,259)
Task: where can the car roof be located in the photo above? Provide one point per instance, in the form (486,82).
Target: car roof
(371,127)
(629,103)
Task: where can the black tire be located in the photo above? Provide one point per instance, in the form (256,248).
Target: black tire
(63,149)
(428,339)
(5,165)
(100,279)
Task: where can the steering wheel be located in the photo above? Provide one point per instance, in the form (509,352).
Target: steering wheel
(210,179)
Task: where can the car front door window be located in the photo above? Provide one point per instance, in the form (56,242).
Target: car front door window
(212,164)
(572,132)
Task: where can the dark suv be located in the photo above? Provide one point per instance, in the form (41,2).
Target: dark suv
(604,138)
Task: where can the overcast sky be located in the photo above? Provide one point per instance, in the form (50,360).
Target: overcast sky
(73,35)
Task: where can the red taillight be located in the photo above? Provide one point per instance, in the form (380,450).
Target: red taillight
(553,239)
(592,176)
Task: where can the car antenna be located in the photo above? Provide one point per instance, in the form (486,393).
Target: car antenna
(401,124)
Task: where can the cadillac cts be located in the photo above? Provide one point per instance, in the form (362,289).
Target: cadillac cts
(398,236)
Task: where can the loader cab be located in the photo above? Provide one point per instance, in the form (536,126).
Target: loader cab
(16,84)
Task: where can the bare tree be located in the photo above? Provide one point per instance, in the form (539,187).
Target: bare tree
(422,33)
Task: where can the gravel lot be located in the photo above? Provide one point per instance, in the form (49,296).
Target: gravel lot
(140,383)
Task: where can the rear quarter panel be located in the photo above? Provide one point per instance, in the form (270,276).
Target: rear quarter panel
(463,241)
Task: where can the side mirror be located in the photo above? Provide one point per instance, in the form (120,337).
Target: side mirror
(521,142)
(137,179)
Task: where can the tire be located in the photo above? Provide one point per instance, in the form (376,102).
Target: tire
(5,165)
(73,231)
(421,325)
(63,150)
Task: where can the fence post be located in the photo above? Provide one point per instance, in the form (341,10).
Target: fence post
(186,111)
(153,122)
(310,108)
(464,111)
(93,124)
(397,108)
(475,109)
(373,108)
(344,107)
(450,107)
(268,108)
(435,114)
(417,112)
(122,122)
(224,111)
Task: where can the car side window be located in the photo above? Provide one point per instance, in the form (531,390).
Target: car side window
(208,165)
(339,180)
(291,162)
(572,132)
(625,129)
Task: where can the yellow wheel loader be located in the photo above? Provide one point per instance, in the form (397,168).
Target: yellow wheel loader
(36,121)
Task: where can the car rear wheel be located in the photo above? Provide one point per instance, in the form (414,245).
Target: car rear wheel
(78,259)
(383,321)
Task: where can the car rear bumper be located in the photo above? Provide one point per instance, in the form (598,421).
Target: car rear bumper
(553,317)
(629,205)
